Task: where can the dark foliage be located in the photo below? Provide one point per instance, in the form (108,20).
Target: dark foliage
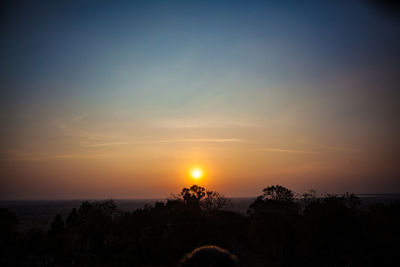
(278,230)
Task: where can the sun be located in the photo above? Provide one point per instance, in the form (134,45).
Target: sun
(196,173)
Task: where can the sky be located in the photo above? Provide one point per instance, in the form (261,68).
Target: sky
(121,99)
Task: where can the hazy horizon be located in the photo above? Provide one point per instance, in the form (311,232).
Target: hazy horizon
(322,194)
(122,99)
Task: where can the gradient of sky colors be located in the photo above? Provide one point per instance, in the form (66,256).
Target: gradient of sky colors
(122,98)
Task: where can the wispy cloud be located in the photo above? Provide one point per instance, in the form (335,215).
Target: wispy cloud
(190,140)
(329,147)
(64,123)
(188,123)
(280,150)
(107,144)
(79,118)
(28,156)
(204,140)
(59,124)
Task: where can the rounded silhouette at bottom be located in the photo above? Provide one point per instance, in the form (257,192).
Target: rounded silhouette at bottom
(209,256)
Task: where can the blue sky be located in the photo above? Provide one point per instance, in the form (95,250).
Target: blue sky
(215,82)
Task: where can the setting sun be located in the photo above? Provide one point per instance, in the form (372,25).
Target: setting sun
(197,173)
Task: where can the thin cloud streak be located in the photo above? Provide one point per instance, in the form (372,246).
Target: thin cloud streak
(32,157)
(194,140)
(328,147)
(107,144)
(204,140)
(206,123)
(279,150)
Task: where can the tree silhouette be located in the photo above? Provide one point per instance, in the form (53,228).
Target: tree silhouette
(8,220)
(275,198)
(278,193)
(193,194)
(331,230)
(198,197)
(215,201)
(308,197)
(57,226)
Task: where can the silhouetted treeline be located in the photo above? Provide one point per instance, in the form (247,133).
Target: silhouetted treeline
(279,229)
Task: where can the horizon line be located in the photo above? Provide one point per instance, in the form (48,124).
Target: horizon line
(162,199)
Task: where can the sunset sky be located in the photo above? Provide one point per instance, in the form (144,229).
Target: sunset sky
(123,99)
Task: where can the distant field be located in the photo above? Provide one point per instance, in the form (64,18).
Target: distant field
(40,213)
